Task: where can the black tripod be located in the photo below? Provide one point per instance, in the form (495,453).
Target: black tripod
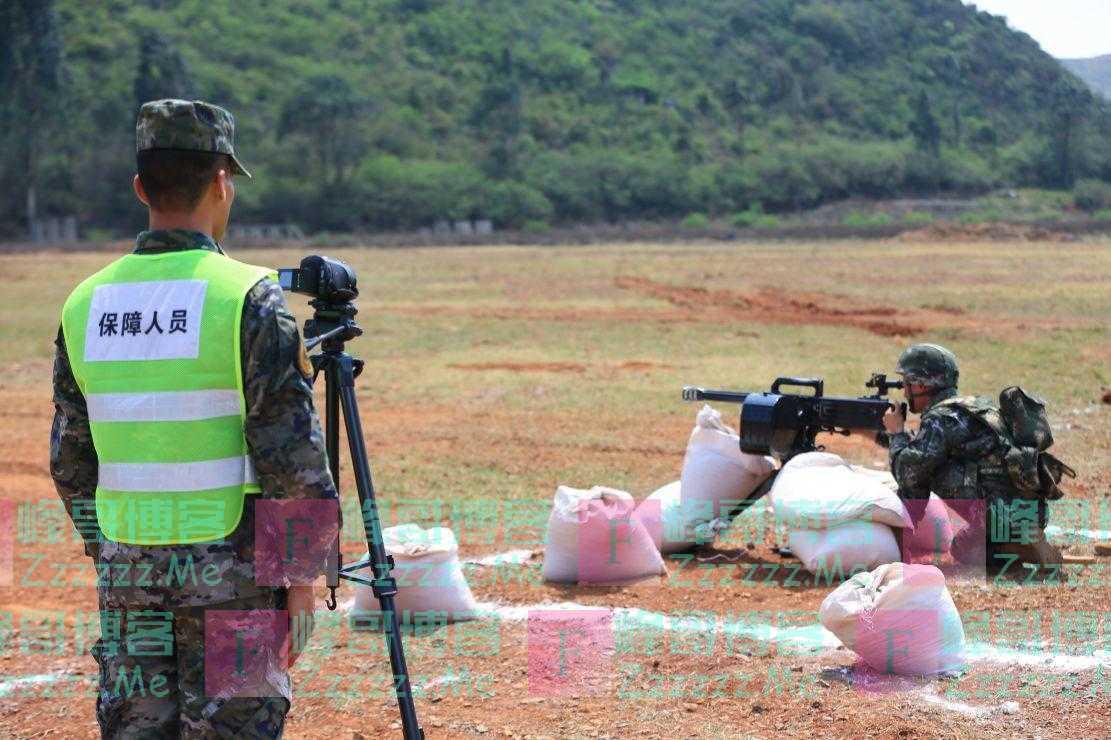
(332,325)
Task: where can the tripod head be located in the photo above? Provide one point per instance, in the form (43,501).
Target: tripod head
(331,325)
(333,286)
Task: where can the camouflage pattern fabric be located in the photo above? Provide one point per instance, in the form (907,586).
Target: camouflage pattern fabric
(155,688)
(192,125)
(286,445)
(928,364)
(957,456)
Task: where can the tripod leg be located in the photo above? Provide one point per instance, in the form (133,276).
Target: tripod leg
(385,587)
(331,445)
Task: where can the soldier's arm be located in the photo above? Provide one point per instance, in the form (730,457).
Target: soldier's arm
(914,460)
(73,461)
(282,428)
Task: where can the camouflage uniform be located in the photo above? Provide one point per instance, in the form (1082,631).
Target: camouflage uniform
(148,583)
(957,456)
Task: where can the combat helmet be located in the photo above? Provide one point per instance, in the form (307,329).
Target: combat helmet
(930,365)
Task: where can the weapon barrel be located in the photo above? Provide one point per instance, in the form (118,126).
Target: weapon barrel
(690,393)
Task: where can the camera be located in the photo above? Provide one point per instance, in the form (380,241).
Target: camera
(325,278)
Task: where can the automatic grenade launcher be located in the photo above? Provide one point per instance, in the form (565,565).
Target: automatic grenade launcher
(784,425)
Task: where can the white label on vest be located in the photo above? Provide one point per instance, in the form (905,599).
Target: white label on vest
(159,320)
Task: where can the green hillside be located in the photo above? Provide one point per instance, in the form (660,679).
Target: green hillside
(1096,71)
(382,114)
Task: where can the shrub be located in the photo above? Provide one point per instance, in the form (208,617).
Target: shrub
(1092,195)
(748,218)
(510,204)
(756,220)
(695,221)
(767,221)
(981,216)
(534,226)
(918,217)
(1103,214)
(856,218)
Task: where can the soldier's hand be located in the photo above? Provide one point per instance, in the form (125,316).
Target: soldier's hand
(893,420)
(301,603)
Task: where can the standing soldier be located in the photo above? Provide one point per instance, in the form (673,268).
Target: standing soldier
(182,396)
(957,454)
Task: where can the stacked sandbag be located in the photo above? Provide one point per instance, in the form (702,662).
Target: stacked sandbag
(428,573)
(839,516)
(844,549)
(662,515)
(593,537)
(715,471)
(818,490)
(933,534)
(899,619)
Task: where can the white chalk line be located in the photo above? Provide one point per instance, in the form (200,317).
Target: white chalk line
(813,638)
(1095,535)
(9,685)
(968,710)
(510,557)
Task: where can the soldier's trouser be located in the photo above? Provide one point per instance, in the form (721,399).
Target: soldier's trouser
(152,677)
(1007,555)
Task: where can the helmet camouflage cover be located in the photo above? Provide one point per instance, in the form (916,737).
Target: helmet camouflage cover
(929,364)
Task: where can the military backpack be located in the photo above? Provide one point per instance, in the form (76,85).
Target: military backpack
(1022,429)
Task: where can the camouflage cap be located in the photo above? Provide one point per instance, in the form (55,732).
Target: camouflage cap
(929,364)
(191,125)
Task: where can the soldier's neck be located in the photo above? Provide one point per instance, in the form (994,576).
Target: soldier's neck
(195,221)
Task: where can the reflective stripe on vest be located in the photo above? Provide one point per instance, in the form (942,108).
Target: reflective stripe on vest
(154,345)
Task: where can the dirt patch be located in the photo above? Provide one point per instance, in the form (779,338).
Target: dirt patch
(559,367)
(523,367)
(566,315)
(770,305)
(644,365)
(984,232)
(942,308)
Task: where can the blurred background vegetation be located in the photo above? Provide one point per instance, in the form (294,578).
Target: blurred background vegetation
(393,114)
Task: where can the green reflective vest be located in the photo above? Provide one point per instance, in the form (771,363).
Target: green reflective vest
(153,340)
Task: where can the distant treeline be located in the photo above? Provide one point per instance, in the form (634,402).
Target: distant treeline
(390,114)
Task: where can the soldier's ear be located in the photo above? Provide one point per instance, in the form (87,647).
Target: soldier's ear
(222,182)
(140,193)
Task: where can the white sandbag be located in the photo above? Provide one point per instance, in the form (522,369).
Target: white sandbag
(934,533)
(899,619)
(845,549)
(662,515)
(428,573)
(715,470)
(593,537)
(817,490)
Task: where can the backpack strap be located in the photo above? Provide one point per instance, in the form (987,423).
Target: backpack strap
(980,409)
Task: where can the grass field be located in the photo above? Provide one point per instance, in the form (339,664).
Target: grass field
(498,373)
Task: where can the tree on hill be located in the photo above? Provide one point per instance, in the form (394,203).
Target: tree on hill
(162,73)
(397,113)
(30,74)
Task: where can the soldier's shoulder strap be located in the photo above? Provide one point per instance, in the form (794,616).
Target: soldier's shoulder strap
(979,407)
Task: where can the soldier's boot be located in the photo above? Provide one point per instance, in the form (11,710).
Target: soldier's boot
(1015,559)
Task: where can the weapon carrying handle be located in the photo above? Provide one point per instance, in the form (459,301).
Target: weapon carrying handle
(815,383)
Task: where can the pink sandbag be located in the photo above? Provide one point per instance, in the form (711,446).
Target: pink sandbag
(933,534)
(899,619)
(593,537)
